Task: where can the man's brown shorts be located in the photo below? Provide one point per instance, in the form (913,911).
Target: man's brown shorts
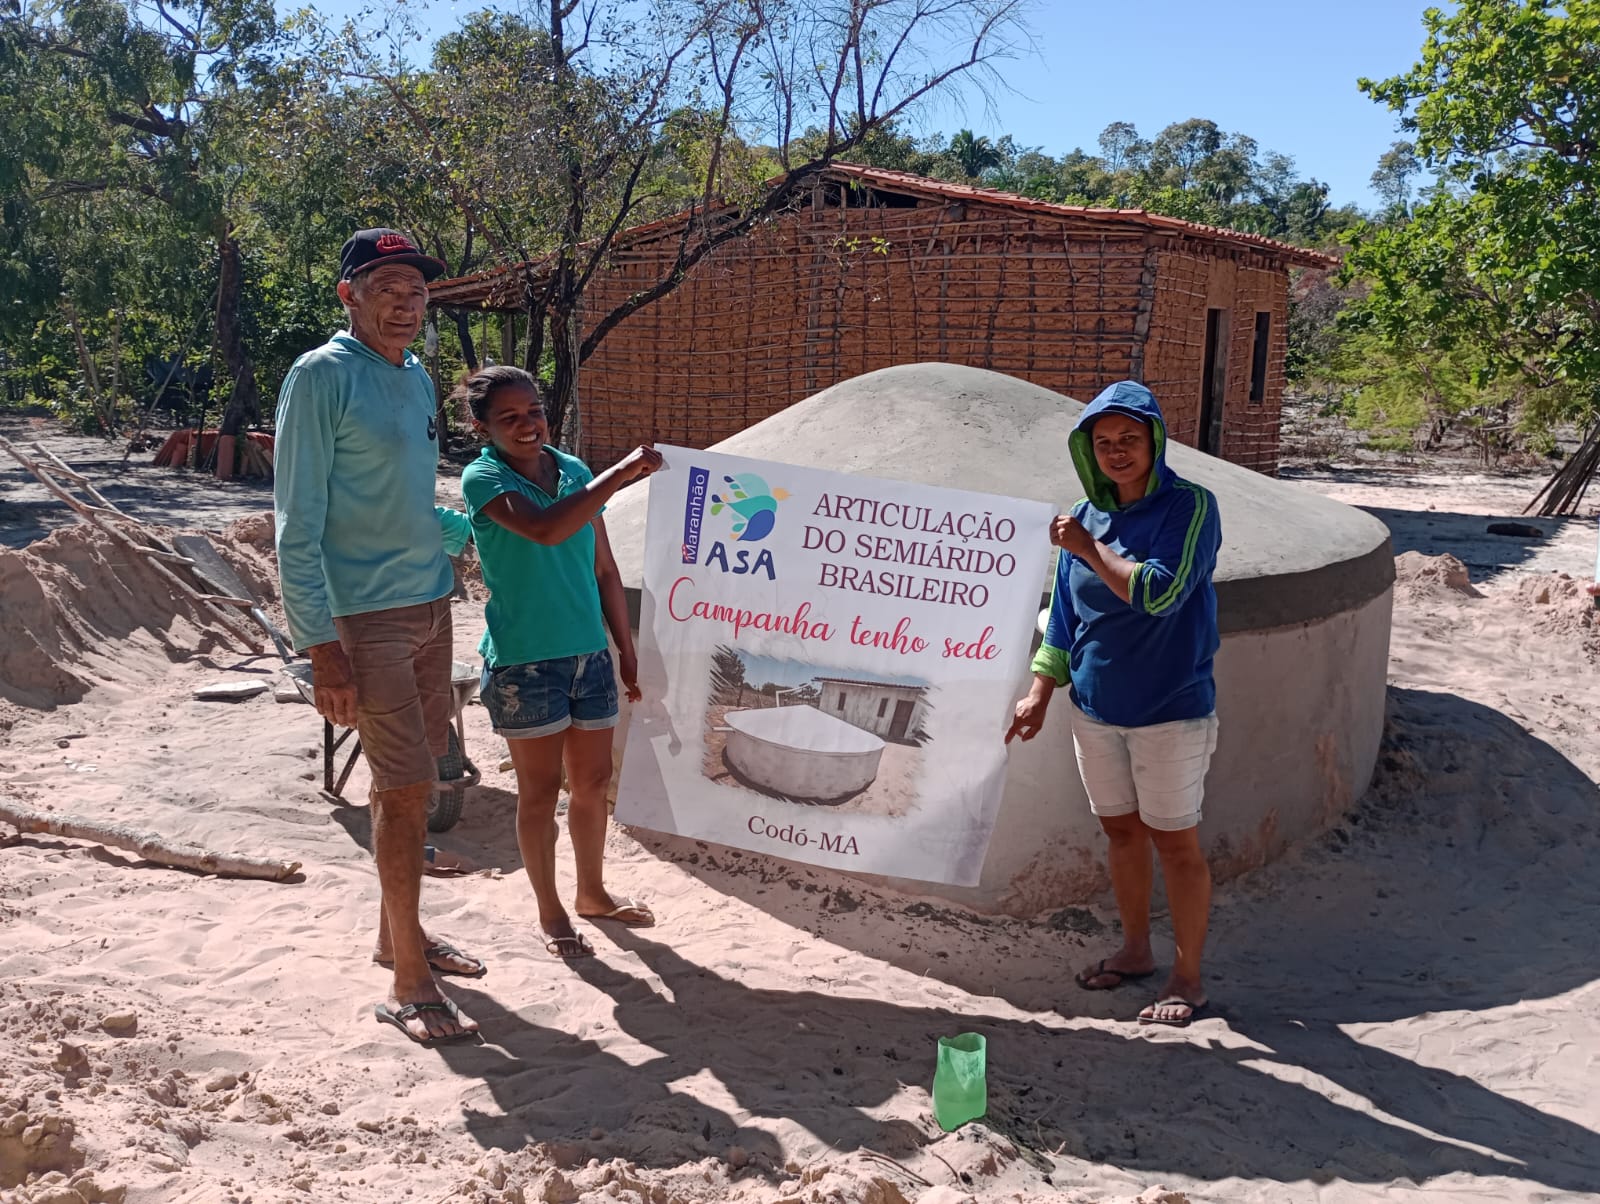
(401,659)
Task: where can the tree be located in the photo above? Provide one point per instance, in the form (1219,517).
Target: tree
(727,676)
(183,174)
(606,95)
(1504,103)
(1392,178)
(165,84)
(1121,147)
(1313,335)
(1408,396)
(973,156)
(1085,180)
(887,147)
(152,108)
(1177,151)
(1275,175)
(1227,174)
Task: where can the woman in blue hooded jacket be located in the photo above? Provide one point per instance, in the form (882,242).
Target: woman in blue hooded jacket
(1132,631)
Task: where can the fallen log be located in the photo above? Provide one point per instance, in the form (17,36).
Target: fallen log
(148,845)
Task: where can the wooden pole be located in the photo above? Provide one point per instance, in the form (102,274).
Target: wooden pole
(149,845)
(169,557)
(229,600)
(77,478)
(109,419)
(1566,488)
(431,350)
(91,377)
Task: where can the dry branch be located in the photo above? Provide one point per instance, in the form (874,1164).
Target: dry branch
(148,845)
(1564,491)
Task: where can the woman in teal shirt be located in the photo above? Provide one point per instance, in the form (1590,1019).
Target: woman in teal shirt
(548,682)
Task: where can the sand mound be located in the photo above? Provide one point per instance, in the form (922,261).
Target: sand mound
(1559,591)
(1558,604)
(247,546)
(256,530)
(1422,576)
(81,609)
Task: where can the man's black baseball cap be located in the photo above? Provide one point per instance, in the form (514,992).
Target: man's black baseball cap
(367,249)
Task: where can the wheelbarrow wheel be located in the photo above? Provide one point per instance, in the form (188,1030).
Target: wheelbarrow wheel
(445,807)
(456,773)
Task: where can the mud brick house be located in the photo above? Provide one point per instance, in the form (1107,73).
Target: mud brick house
(878,268)
(892,710)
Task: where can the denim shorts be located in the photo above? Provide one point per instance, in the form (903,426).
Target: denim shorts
(545,697)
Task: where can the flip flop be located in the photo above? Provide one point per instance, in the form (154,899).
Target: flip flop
(559,946)
(443,951)
(1084,977)
(398,1017)
(1170,1001)
(619,913)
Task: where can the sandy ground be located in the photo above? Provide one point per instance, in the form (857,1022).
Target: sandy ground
(29,511)
(173,497)
(1407,1007)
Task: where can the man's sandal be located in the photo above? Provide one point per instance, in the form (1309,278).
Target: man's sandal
(1085,978)
(400,1016)
(445,958)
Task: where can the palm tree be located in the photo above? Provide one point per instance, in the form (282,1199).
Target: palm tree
(973,155)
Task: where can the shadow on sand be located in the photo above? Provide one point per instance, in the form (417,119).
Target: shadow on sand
(1467,537)
(165,496)
(1472,839)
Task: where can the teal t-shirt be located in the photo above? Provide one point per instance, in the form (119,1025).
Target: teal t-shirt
(356,460)
(544,602)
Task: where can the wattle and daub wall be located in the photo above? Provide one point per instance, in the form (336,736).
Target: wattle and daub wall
(840,289)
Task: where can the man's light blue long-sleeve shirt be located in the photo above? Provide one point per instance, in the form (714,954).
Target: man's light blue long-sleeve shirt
(356,455)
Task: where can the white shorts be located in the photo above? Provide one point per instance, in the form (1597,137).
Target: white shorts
(1157,771)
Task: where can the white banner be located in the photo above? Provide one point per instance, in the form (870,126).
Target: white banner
(829,663)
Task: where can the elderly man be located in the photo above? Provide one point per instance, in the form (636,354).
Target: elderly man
(366,585)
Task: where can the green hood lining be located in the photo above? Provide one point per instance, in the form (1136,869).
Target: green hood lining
(1100,488)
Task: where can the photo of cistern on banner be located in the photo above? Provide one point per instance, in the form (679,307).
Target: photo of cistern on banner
(829,663)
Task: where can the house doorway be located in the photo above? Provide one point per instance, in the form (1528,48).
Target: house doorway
(901,720)
(1213,382)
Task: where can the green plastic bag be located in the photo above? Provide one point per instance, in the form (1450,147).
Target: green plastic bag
(960,1082)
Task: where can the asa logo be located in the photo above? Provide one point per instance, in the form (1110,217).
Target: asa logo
(751,507)
(754,506)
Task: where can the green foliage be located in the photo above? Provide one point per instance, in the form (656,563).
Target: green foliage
(1393,395)
(1191,170)
(1416,395)
(1499,258)
(123,132)
(1314,338)
(973,156)
(137,139)
(1391,179)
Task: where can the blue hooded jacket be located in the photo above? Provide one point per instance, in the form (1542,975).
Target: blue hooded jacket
(1147,661)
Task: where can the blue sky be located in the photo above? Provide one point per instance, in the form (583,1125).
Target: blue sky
(1281,71)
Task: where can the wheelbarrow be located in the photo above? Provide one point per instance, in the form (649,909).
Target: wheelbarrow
(456,772)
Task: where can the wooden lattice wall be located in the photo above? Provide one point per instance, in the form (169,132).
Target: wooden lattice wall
(833,292)
(1188,283)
